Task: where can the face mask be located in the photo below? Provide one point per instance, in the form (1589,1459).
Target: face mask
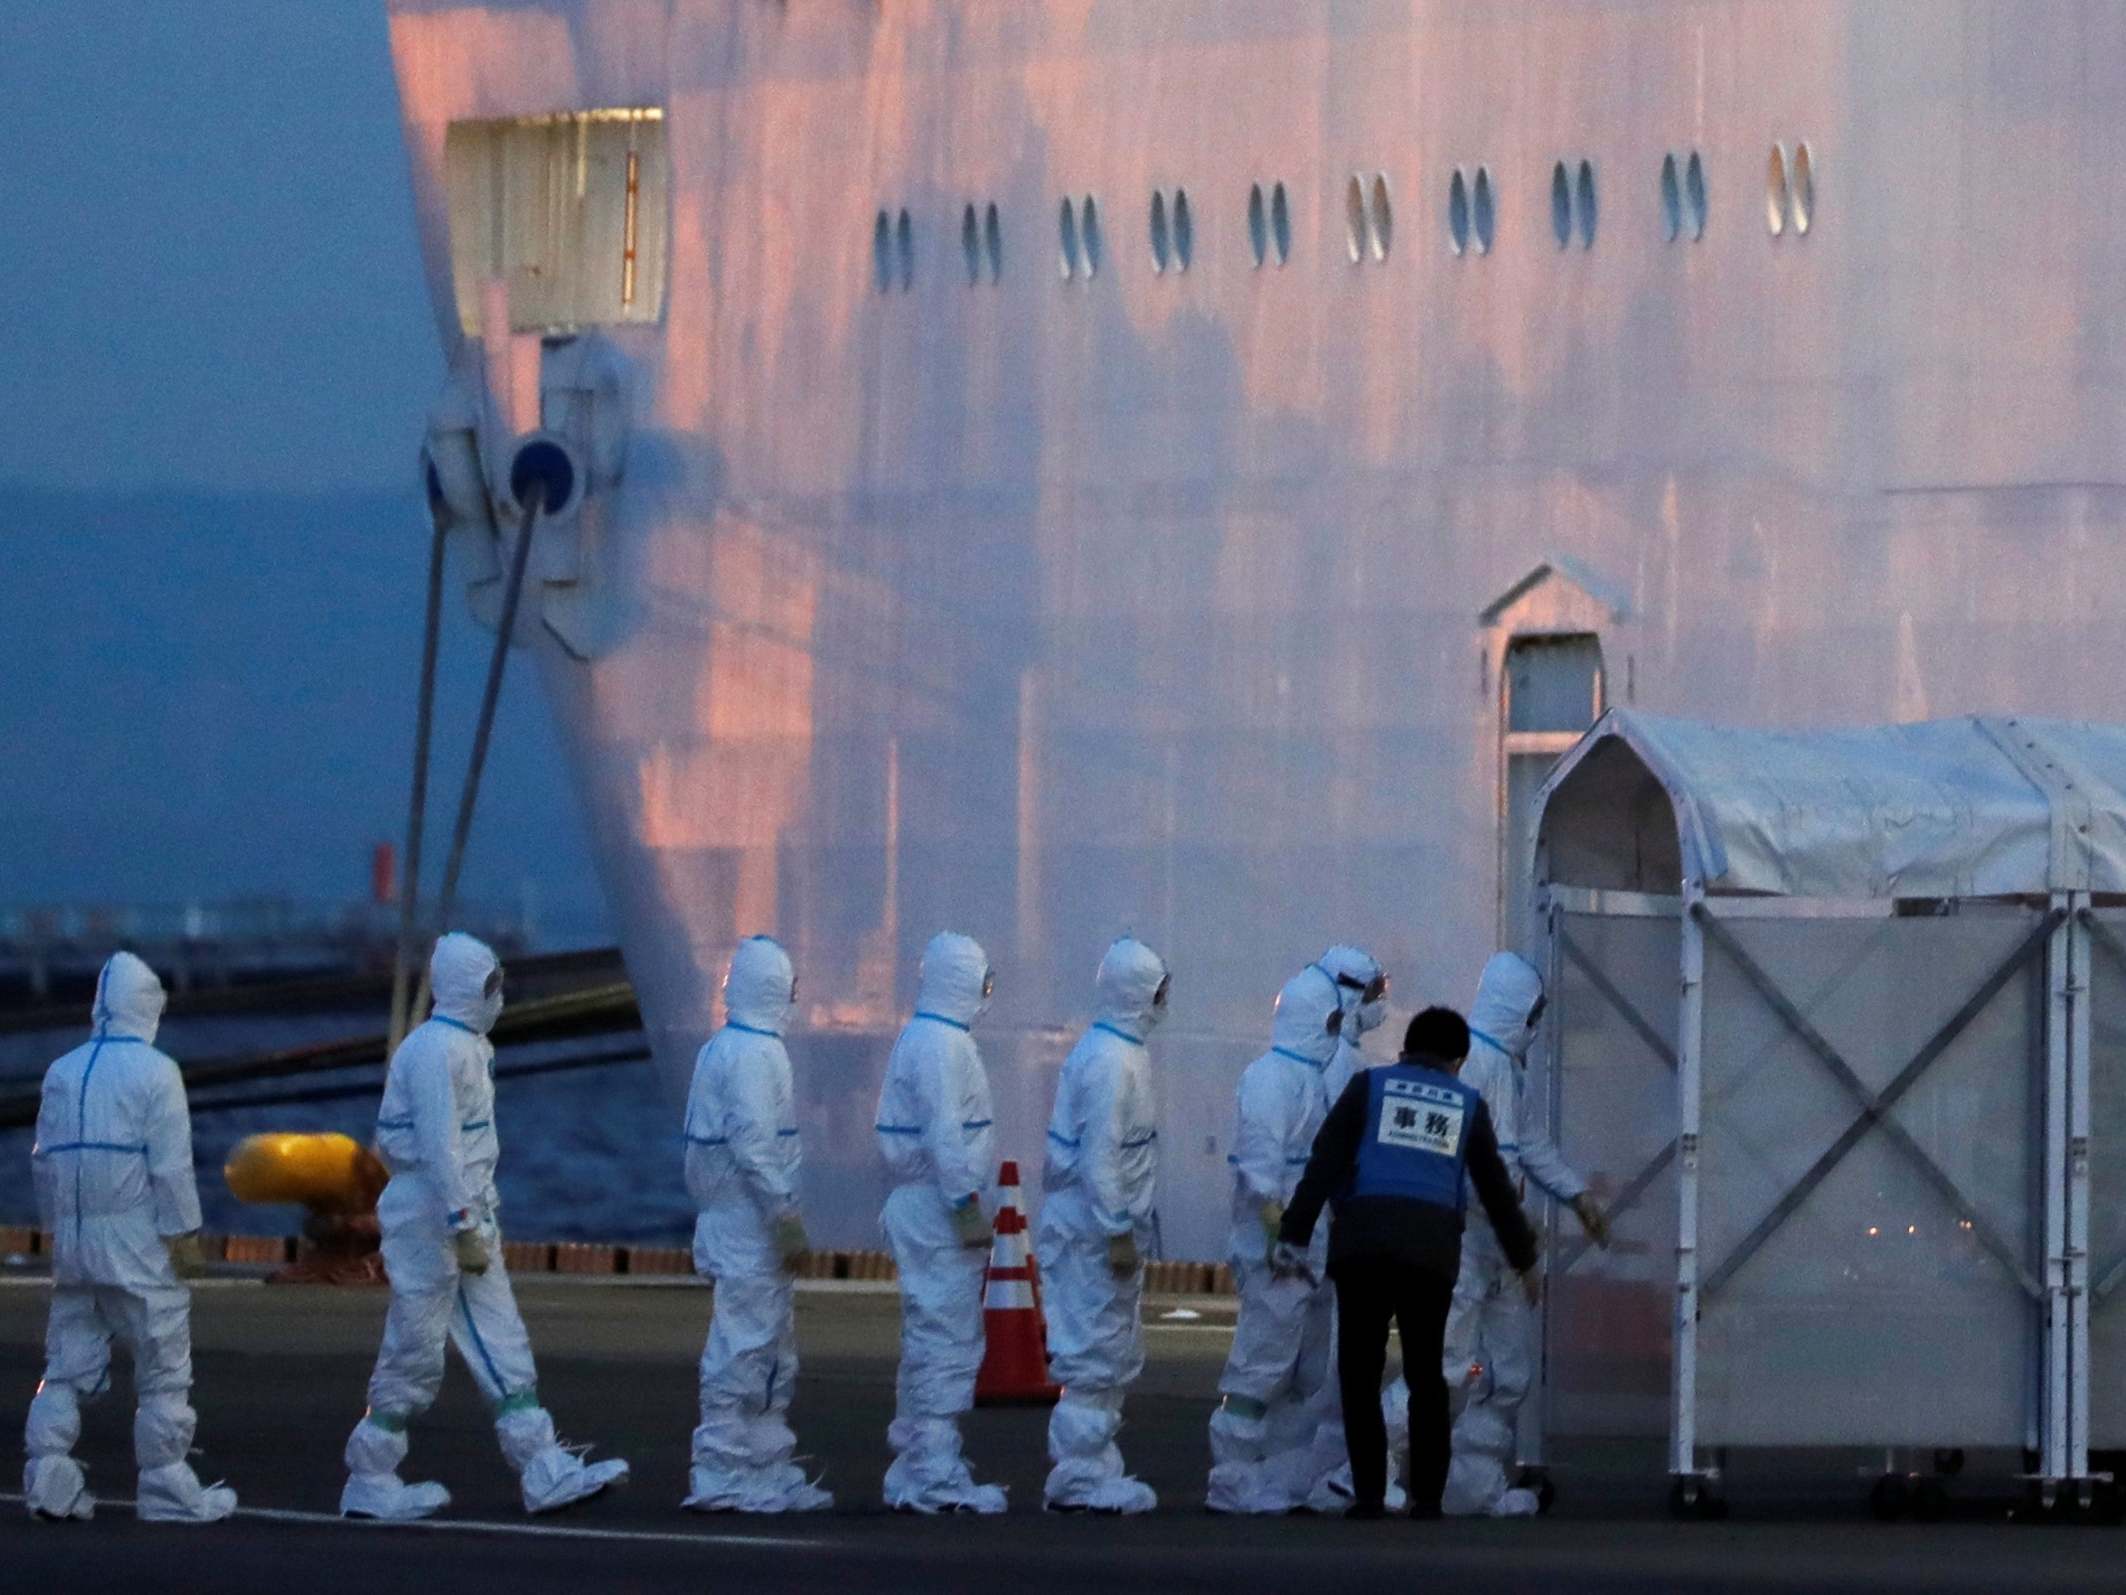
(1156,1014)
(1371,1016)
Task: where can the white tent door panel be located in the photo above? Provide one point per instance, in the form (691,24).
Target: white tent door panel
(1613,1029)
(2107,1178)
(1838,1255)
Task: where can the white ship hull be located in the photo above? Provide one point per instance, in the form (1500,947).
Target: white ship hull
(1177,602)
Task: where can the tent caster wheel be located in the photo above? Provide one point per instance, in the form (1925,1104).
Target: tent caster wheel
(1929,1501)
(1695,1500)
(1539,1481)
(2098,1503)
(1890,1498)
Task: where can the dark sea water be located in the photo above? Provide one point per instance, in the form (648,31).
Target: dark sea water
(592,1154)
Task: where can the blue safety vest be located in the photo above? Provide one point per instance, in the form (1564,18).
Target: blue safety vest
(1416,1137)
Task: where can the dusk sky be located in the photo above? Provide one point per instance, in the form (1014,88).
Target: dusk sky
(209,261)
(215,361)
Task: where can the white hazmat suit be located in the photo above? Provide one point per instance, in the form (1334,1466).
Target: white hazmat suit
(112,1166)
(1096,1229)
(443,1251)
(742,1162)
(936,1133)
(1491,1327)
(1262,1433)
(1356,973)
(1362,991)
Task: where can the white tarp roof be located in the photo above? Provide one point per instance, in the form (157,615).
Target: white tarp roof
(1976,807)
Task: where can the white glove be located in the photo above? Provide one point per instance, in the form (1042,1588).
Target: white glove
(187,1261)
(471,1250)
(970,1223)
(1592,1218)
(1122,1259)
(791,1242)
(1291,1262)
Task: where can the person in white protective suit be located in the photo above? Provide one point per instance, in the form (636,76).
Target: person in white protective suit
(112,1165)
(443,1251)
(1262,1433)
(1490,1345)
(1362,991)
(742,1160)
(935,1131)
(1096,1228)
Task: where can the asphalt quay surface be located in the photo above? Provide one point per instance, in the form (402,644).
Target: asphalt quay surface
(280,1379)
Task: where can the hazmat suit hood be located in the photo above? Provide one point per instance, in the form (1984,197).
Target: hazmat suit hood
(1309,1017)
(1126,990)
(1354,969)
(1505,996)
(758,991)
(458,975)
(129,999)
(955,978)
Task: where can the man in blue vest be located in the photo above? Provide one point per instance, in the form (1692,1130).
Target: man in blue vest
(1392,1155)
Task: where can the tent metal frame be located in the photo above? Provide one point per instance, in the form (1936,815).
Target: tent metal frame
(2061,934)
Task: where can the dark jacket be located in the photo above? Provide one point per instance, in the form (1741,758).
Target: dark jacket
(1399,1230)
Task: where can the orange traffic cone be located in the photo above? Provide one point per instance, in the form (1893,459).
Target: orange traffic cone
(1015,1363)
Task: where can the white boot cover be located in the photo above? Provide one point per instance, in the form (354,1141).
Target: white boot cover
(929,1475)
(170,1492)
(52,1481)
(1088,1474)
(374,1489)
(552,1475)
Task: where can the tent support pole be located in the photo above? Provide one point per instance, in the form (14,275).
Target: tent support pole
(2078,1067)
(1535,1413)
(2052,1407)
(1690,1043)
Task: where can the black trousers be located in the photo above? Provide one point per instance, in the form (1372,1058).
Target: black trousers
(1368,1295)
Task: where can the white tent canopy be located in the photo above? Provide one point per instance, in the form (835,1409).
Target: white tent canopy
(1975,807)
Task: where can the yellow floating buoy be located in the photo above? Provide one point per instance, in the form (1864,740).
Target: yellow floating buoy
(329,1173)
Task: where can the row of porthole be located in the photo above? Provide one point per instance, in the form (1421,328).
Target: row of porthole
(1472,219)
(1790,191)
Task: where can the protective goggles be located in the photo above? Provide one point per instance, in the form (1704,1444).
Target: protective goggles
(989,984)
(1374,990)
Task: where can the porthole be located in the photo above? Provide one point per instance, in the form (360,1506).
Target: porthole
(1458,212)
(904,240)
(1161,243)
(1067,232)
(882,253)
(1184,231)
(1671,200)
(1804,189)
(993,241)
(1775,191)
(1694,195)
(1089,235)
(1355,220)
(971,246)
(1482,213)
(1258,226)
(1280,224)
(1382,236)
(1560,205)
(1589,212)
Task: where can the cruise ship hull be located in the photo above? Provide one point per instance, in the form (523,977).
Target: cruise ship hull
(998,581)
